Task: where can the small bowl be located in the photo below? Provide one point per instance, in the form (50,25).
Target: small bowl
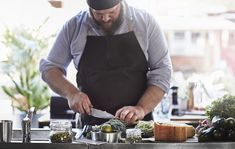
(111,137)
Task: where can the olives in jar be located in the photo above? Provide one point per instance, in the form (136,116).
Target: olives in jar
(133,136)
(61,131)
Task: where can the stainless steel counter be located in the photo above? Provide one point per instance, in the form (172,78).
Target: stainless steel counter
(40,140)
(44,145)
(166,146)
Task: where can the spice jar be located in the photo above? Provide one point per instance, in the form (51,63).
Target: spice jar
(61,131)
(133,135)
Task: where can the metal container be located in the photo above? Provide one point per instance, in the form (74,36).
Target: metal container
(5,130)
(111,137)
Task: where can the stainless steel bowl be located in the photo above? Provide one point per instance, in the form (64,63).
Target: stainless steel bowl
(111,137)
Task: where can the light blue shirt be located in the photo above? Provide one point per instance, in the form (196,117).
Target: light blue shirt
(70,42)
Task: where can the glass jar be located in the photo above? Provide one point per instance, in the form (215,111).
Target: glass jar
(61,131)
(133,135)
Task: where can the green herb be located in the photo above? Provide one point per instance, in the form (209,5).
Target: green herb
(61,137)
(146,127)
(117,125)
(134,139)
(222,107)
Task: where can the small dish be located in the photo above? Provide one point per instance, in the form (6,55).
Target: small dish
(110,137)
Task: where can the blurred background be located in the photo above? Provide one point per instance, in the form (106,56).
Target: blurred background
(200,36)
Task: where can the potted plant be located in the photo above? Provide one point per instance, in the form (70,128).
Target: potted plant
(25,47)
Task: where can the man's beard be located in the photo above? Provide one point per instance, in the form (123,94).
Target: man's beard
(114,26)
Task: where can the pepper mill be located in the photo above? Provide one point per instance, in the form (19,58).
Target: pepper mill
(175,105)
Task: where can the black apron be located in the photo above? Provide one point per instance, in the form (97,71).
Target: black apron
(112,72)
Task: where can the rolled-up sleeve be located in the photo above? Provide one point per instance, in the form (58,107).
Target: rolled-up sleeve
(160,66)
(60,55)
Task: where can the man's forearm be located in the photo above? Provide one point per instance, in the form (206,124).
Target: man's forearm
(151,98)
(58,82)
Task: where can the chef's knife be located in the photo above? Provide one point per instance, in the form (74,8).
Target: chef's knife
(101,114)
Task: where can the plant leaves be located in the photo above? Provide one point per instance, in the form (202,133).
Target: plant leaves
(24,47)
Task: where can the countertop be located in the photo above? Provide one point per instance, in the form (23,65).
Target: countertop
(147,144)
(185,145)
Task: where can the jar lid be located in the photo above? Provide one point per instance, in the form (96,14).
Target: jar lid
(133,131)
(60,124)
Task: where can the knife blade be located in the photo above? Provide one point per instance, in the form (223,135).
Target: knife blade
(101,114)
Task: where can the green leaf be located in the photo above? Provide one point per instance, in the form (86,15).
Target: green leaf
(223,107)
(8,91)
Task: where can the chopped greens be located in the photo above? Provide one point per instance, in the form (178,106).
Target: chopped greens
(222,107)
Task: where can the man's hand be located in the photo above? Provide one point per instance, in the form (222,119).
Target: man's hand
(80,102)
(130,114)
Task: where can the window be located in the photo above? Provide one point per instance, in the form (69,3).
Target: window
(187,43)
